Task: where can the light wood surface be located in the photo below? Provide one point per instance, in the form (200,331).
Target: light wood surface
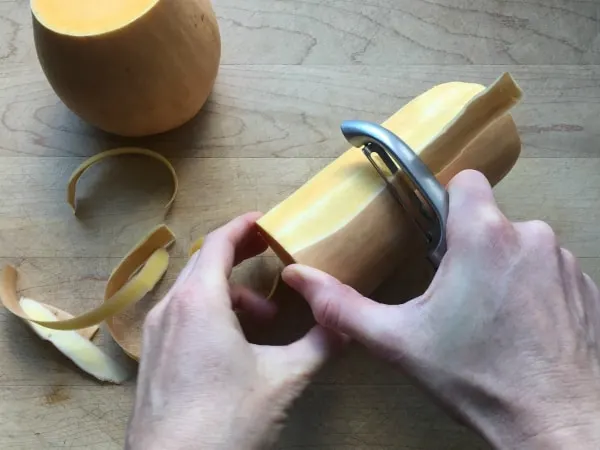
(292,70)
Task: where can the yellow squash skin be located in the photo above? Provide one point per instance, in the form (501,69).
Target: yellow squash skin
(132,68)
(344,222)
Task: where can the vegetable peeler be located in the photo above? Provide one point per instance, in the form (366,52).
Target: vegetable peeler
(416,189)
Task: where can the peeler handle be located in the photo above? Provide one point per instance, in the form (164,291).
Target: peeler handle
(362,133)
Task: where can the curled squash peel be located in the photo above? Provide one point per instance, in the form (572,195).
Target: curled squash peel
(135,275)
(79,171)
(131,292)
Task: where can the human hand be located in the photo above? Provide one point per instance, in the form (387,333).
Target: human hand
(507,336)
(201,384)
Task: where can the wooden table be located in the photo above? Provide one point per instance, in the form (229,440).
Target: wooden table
(292,70)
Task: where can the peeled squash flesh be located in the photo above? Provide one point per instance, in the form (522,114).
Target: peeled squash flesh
(85,17)
(76,347)
(344,221)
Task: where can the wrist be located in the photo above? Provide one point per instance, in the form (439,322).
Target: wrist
(223,428)
(542,413)
(580,436)
(562,428)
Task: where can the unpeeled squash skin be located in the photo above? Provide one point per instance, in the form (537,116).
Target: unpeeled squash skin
(344,221)
(132,68)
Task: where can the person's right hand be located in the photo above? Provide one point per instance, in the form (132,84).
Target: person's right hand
(507,335)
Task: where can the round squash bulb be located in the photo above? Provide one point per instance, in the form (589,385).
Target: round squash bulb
(129,67)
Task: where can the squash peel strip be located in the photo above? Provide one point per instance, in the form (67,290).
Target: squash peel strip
(84,354)
(274,287)
(135,275)
(72,186)
(87,333)
(158,240)
(150,253)
(134,290)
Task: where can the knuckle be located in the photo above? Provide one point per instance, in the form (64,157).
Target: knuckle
(491,221)
(538,241)
(588,280)
(328,311)
(568,256)
(542,233)
(467,177)
(493,229)
(591,288)
(182,299)
(208,240)
(183,305)
(569,260)
(154,317)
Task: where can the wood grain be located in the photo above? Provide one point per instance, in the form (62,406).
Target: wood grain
(292,71)
(411,32)
(120,201)
(383,32)
(295,111)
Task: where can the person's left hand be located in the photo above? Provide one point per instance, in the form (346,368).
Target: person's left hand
(201,384)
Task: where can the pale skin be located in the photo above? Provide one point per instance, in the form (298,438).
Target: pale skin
(506,337)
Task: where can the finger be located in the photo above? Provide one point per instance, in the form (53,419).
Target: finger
(223,248)
(592,299)
(252,245)
(582,295)
(302,359)
(539,242)
(592,289)
(339,307)
(470,187)
(248,301)
(572,278)
(473,213)
(308,354)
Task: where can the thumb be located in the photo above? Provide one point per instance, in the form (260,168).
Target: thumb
(293,365)
(339,307)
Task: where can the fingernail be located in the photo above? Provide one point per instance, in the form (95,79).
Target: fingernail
(292,275)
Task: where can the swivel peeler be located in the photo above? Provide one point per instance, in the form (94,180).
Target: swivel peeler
(416,189)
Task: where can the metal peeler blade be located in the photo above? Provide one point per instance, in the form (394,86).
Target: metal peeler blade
(416,189)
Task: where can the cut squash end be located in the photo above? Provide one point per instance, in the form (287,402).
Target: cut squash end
(88,17)
(284,256)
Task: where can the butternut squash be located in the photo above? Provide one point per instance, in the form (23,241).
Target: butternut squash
(132,68)
(345,222)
